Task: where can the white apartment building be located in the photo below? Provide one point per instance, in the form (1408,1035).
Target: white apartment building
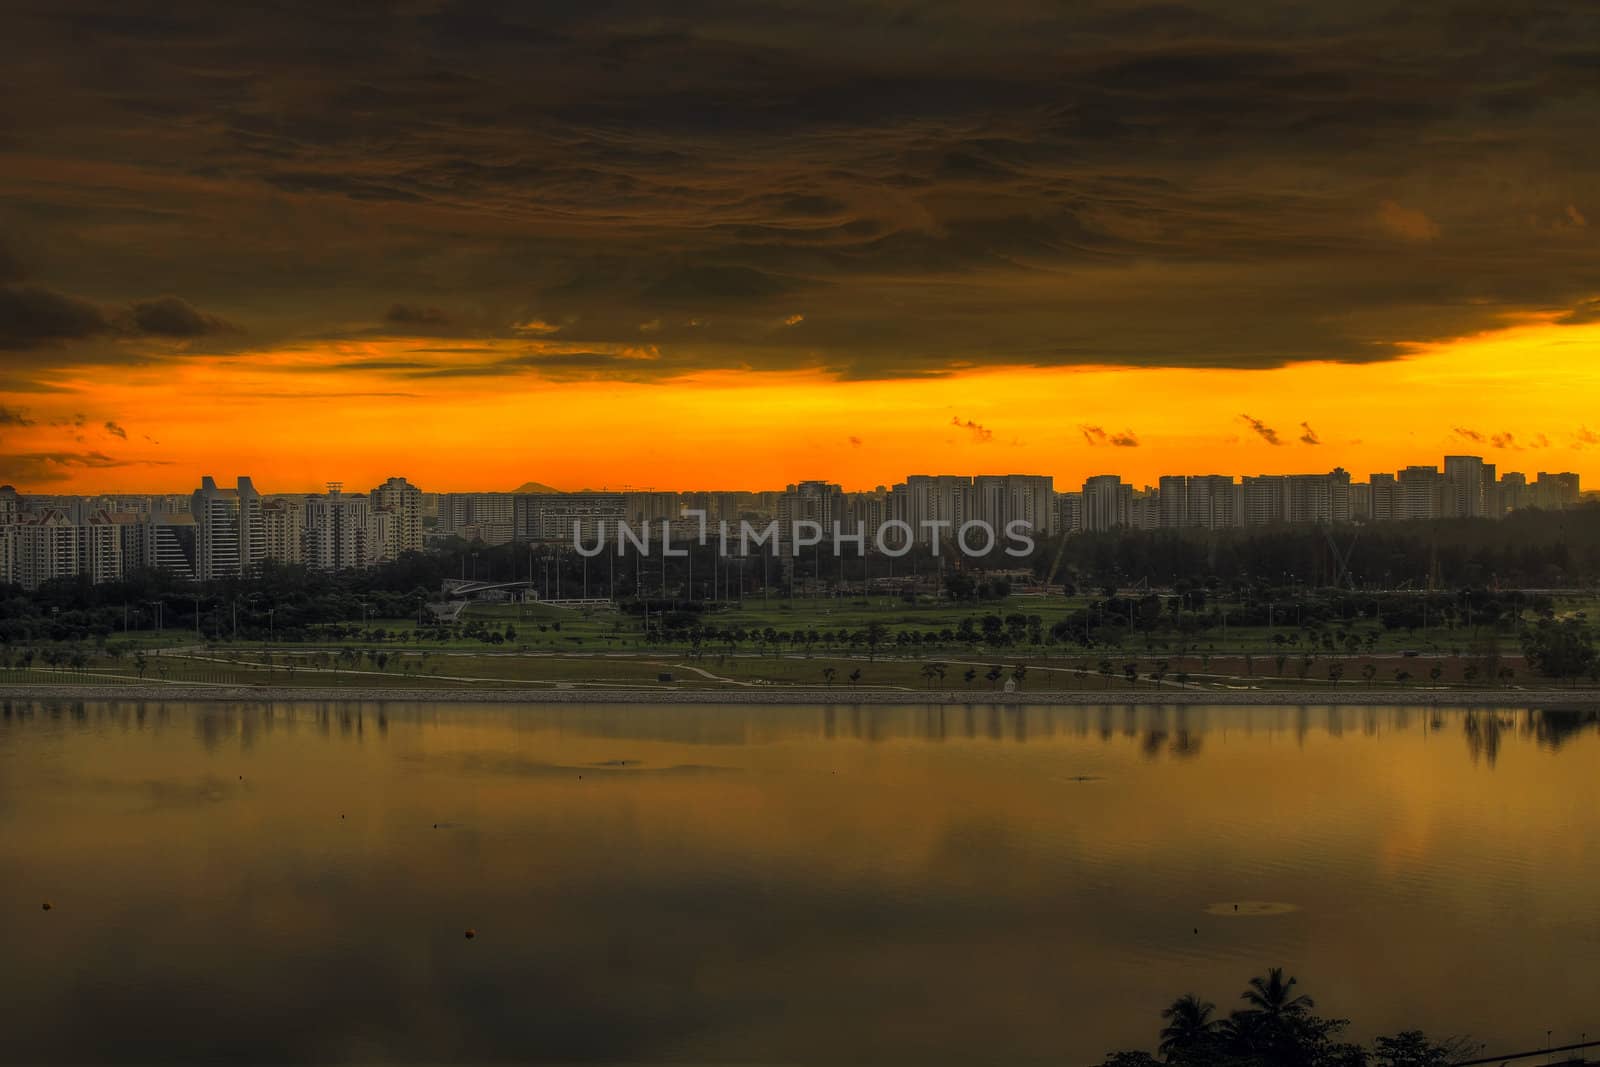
(229,539)
(400,531)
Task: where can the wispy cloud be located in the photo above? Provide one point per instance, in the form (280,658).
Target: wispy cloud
(116,431)
(49,467)
(1099,435)
(1265,432)
(981,434)
(1308,436)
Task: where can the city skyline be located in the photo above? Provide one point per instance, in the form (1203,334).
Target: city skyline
(219,531)
(321,483)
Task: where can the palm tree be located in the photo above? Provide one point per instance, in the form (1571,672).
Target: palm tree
(1272,995)
(1189,1024)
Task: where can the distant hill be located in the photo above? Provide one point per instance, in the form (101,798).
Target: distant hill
(534,487)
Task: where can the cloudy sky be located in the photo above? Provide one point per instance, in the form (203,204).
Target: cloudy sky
(736,244)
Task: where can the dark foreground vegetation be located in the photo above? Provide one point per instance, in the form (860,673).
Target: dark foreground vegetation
(1276,1027)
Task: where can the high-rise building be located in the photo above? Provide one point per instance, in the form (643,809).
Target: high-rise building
(1514,493)
(229,540)
(401,530)
(1107,503)
(1553,492)
(1385,493)
(1144,509)
(556,517)
(283,525)
(486,517)
(1201,501)
(1421,493)
(1469,492)
(171,543)
(939,498)
(47,547)
(1069,512)
(337,531)
(811,501)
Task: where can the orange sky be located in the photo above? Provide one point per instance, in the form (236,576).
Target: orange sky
(292,422)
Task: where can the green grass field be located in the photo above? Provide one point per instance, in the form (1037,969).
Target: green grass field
(550,646)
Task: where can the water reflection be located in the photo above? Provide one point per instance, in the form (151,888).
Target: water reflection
(1160,730)
(867,884)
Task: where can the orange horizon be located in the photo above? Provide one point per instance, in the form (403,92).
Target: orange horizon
(293,421)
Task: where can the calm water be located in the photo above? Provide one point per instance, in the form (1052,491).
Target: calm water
(778,884)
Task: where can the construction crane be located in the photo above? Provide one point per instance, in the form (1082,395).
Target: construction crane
(1341,557)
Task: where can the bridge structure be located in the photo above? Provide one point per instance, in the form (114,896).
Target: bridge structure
(473,589)
(458,592)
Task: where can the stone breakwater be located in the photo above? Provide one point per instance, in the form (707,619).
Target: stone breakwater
(1443,698)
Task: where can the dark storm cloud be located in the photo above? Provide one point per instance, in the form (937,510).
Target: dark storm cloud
(10,267)
(1586,312)
(932,187)
(31,316)
(169,316)
(417,315)
(35,317)
(44,467)
(14,417)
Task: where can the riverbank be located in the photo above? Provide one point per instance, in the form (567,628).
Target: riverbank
(1354,696)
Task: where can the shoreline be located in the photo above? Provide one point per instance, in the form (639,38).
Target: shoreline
(1354,696)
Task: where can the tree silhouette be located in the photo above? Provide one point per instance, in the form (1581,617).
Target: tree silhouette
(1189,1025)
(1273,996)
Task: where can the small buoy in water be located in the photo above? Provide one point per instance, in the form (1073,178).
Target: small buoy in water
(48,905)
(435,826)
(1236,907)
(471,934)
(341,815)
(1197,929)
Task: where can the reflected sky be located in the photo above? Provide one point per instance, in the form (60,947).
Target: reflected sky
(264,883)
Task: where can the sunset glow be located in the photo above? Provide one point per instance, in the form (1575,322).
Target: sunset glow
(1521,396)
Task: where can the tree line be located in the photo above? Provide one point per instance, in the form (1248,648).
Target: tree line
(1277,1027)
